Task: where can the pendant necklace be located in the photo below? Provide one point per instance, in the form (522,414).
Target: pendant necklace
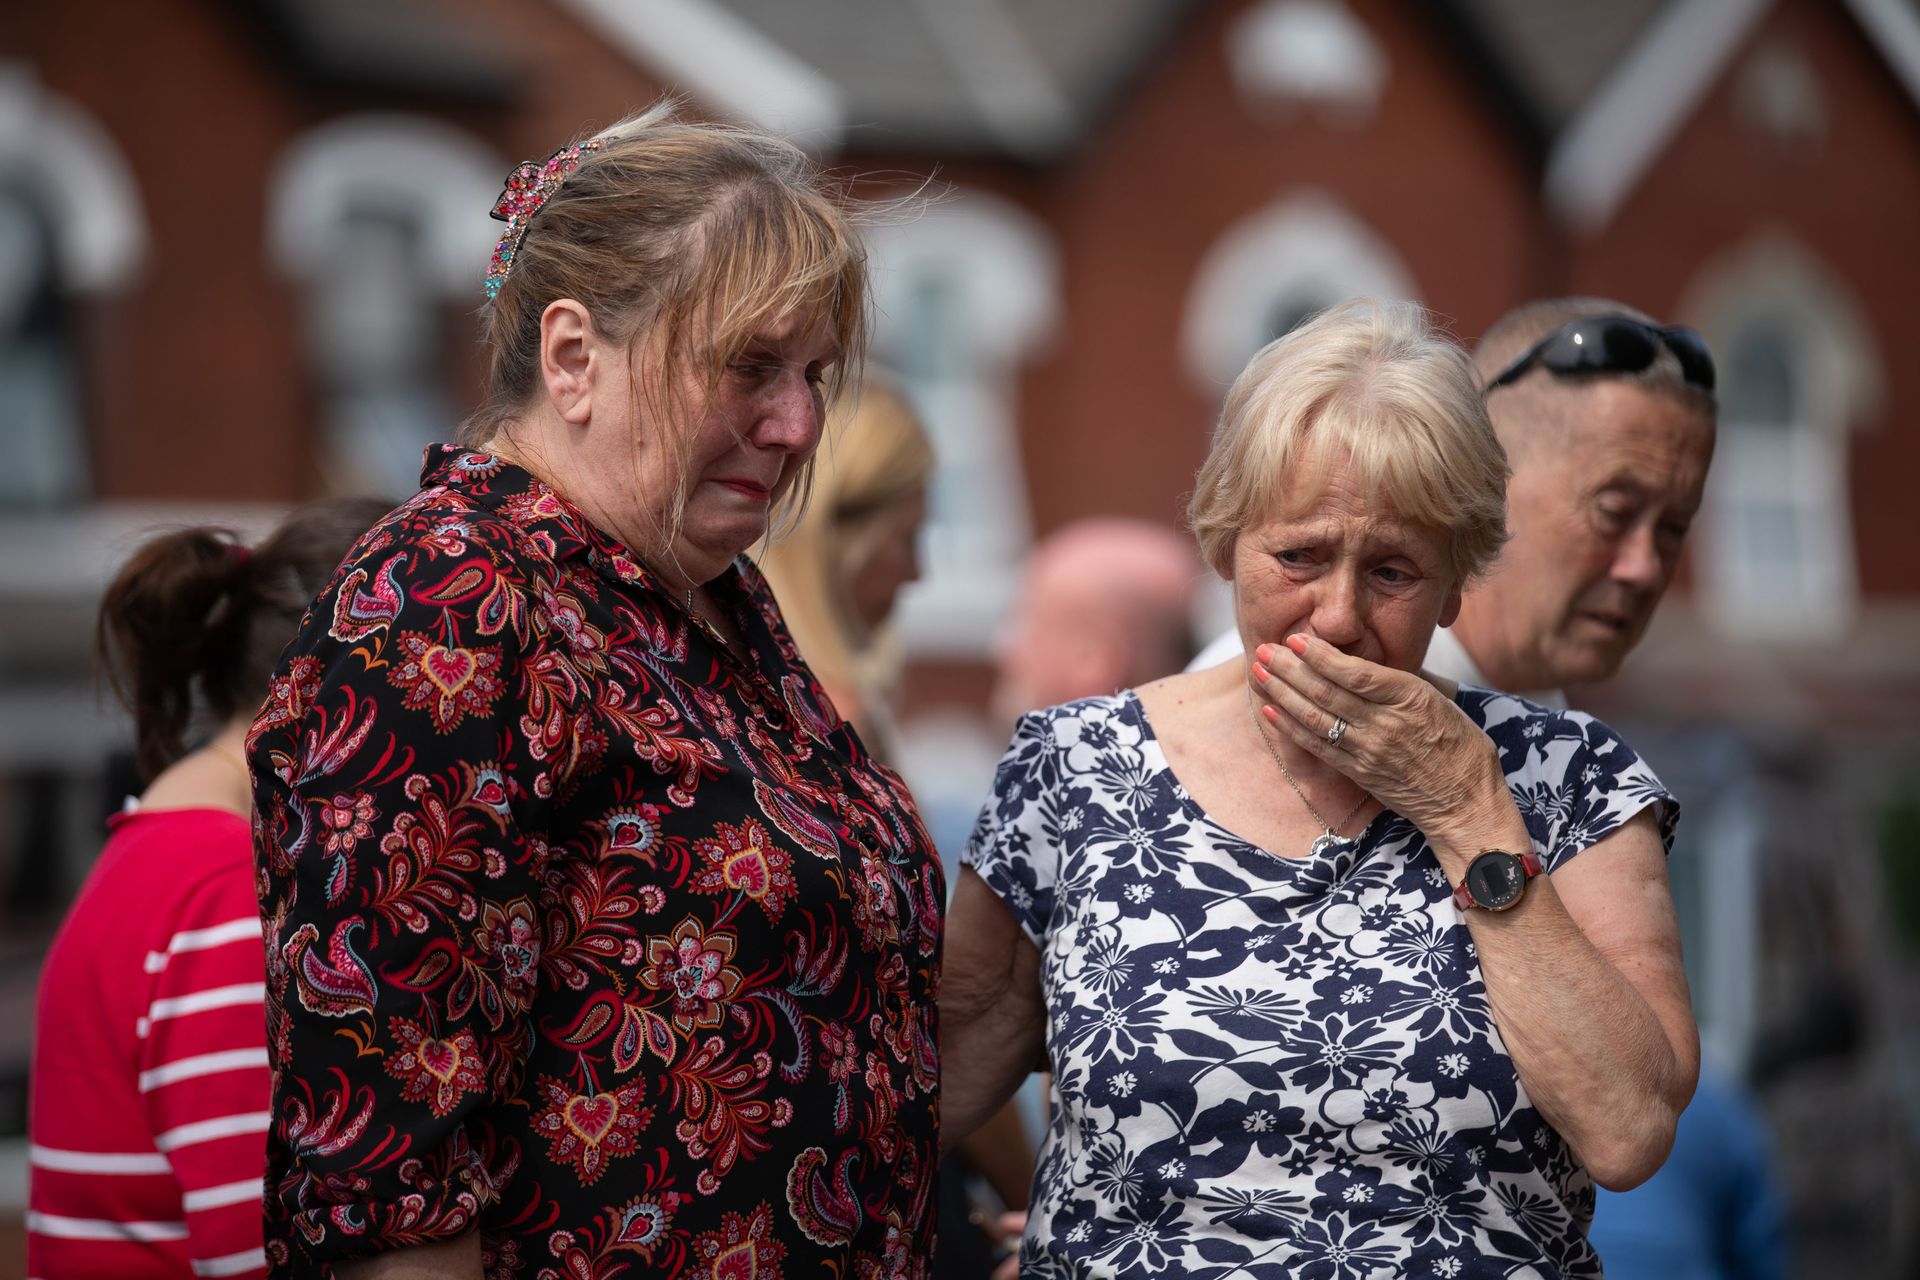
(1329,840)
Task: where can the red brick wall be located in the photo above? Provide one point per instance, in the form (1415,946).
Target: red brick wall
(202,358)
(1112,420)
(1852,200)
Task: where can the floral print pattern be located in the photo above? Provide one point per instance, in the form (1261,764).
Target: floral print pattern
(582,929)
(1270,1067)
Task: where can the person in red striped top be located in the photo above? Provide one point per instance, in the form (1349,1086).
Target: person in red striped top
(148,1101)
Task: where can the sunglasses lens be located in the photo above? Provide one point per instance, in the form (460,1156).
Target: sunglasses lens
(1629,347)
(1696,362)
(1599,346)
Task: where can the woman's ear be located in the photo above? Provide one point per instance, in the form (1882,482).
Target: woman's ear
(1450,611)
(571,360)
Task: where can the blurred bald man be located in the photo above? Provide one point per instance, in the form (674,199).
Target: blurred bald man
(1106,604)
(1607,417)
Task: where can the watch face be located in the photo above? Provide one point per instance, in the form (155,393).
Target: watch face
(1495,879)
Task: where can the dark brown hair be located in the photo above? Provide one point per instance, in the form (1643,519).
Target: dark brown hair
(191,626)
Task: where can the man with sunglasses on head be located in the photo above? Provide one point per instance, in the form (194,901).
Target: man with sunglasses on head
(1608,421)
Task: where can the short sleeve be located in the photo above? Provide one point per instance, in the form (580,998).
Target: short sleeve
(1015,844)
(401,767)
(1574,779)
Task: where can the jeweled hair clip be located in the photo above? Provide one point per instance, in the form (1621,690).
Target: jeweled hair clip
(528,188)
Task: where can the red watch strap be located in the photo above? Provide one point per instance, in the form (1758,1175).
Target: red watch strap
(1530,866)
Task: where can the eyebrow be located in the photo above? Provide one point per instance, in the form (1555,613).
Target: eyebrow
(765,345)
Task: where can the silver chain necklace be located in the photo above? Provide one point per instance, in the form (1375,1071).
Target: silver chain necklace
(1330,839)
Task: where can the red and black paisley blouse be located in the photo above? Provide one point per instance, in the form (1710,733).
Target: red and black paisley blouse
(580,929)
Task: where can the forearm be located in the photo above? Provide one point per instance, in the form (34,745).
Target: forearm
(1594,1058)
(1606,1067)
(454,1260)
(987,1046)
(1000,1152)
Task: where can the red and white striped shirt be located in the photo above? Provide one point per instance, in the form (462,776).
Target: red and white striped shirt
(150,1082)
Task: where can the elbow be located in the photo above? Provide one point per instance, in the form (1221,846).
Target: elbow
(1622,1161)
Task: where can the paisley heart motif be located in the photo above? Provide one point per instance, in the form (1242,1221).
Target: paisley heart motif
(625,831)
(449,669)
(643,1223)
(441,1058)
(592,1118)
(747,872)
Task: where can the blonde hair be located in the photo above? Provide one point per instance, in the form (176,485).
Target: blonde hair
(874,455)
(690,239)
(1372,386)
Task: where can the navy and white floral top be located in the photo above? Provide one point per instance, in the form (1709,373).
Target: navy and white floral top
(1272,1067)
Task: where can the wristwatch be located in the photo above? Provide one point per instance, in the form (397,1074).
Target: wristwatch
(1496,880)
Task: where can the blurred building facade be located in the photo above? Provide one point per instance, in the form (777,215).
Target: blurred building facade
(241,243)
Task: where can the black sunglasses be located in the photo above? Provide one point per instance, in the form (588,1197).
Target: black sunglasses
(1614,344)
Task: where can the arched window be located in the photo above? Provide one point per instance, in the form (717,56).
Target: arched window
(963,295)
(40,420)
(383,220)
(71,227)
(1273,269)
(1796,371)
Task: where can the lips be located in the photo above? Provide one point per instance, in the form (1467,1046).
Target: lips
(752,490)
(1611,621)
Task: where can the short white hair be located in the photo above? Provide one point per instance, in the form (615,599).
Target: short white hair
(1372,385)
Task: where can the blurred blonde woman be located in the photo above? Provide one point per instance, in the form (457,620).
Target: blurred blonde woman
(839,571)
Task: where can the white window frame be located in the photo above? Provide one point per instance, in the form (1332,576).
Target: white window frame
(1802,466)
(99,219)
(999,270)
(1306,245)
(444,182)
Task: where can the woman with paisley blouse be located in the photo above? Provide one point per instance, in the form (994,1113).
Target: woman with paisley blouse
(597,943)
(1341,972)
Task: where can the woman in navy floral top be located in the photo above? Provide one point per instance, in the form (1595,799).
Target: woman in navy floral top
(597,944)
(1341,972)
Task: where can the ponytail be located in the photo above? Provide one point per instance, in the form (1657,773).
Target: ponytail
(191,626)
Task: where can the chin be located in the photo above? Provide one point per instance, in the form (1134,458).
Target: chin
(1587,668)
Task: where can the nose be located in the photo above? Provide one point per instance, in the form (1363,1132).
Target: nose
(1336,610)
(791,415)
(1636,560)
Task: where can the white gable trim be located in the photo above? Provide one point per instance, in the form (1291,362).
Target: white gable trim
(1601,157)
(723,61)
(1603,154)
(1895,29)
